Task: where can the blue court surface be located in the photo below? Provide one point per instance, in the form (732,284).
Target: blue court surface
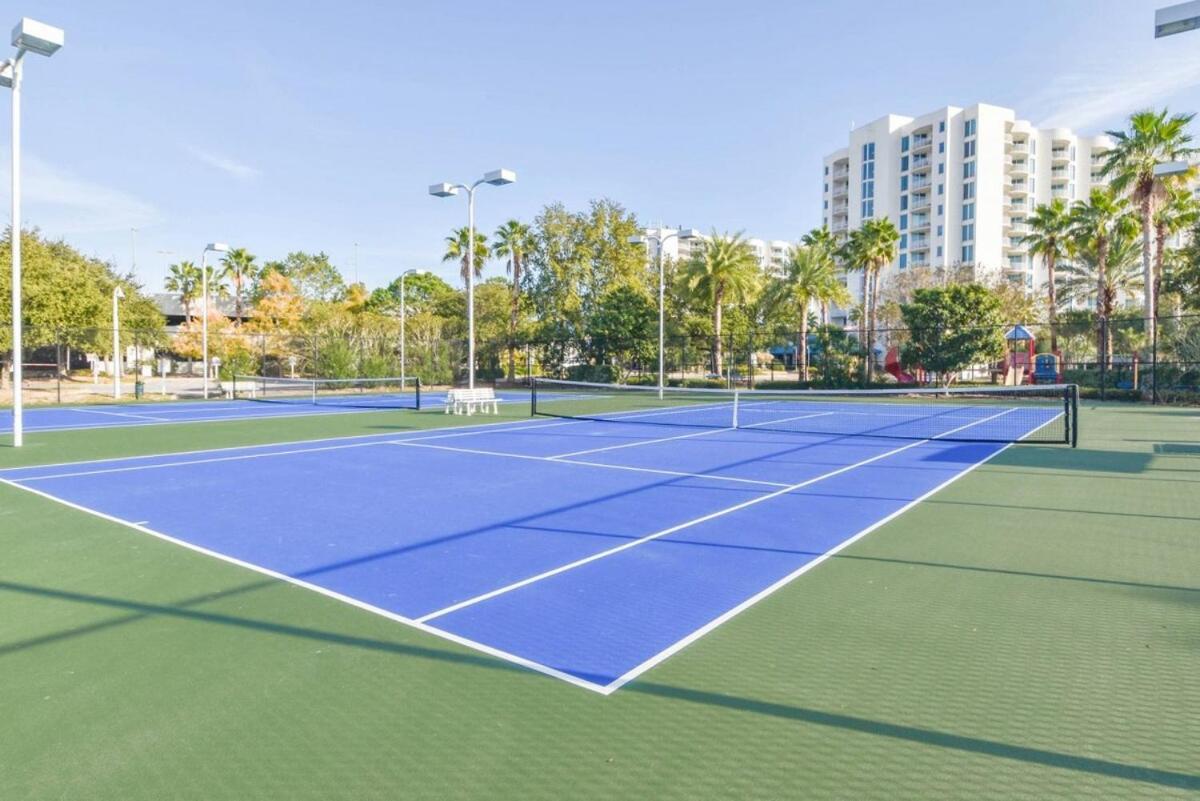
(588,550)
(120,415)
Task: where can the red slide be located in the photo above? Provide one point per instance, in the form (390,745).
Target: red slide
(892,365)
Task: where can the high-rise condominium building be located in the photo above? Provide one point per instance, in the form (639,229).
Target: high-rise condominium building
(959,184)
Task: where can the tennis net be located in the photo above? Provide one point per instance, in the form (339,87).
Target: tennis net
(1037,413)
(365,393)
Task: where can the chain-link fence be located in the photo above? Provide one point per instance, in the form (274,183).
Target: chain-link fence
(1119,358)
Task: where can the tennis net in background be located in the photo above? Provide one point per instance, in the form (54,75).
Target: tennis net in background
(1037,413)
(364,393)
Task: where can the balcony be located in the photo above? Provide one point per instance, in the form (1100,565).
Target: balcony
(1020,167)
(1060,191)
(1060,155)
(919,222)
(919,183)
(1059,172)
(920,162)
(921,143)
(919,203)
(1020,147)
(841,190)
(840,227)
(841,209)
(1019,187)
(841,174)
(919,243)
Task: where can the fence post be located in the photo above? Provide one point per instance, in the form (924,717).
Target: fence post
(1154,359)
(1103,356)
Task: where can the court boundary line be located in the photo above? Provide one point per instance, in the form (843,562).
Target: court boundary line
(557,460)
(328,593)
(36,429)
(577,563)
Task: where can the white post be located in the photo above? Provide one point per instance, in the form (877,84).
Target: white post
(403,314)
(661,320)
(204,321)
(17,378)
(471,288)
(116,344)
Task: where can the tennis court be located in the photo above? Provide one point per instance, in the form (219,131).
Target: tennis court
(590,542)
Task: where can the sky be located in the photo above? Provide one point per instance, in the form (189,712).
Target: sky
(297,125)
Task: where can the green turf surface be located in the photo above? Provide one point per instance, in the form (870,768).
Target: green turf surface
(1032,631)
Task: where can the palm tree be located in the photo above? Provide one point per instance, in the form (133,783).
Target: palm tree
(1048,238)
(871,248)
(851,253)
(1153,138)
(825,247)
(1117,276)
(513,242)
(1094,224)
(240,269)
(809,277)
(1178,212)
(456,250)
(724,269)
(183,279)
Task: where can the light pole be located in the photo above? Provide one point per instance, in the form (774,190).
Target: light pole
(403,319)
(133,251)
(660,240)
(118,294)
(29,36)
(495,178)
(211,247)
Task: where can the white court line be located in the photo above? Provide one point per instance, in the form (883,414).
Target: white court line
(555,460)
(115,414)
(705,518)
(337,596)
(688,524)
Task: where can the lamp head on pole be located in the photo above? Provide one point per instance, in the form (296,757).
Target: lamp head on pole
(443,190)
(6,74)
(638,239)
(217,247)
(37,37)
(118,293)
(500,177)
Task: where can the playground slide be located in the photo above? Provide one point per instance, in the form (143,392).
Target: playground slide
(892,365)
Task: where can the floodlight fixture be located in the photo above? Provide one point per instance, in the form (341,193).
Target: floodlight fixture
(500,177)
(37,37)
(443,190)
(1179,18)
(1168,169)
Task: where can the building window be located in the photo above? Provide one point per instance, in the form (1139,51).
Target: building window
(968,232)
(903,183)
(904,164)
(969,149)
(968,211)
(1033,147)
(969,128)
(868,151)
(969,191)
(903,202)
(826,187)
(827,169)
(903,241)
(940,231)
(941,126)
(869,189)
(904,144)
(903,260)
(826,205)
(941,210)
(969,170)
(941,168)
(939,251)
(941,189)
(868,209)
(903,222)
(941,147)
(968,254)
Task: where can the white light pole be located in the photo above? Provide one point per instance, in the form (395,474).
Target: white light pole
(29,36)
(118,294)
(659,240)
(495,178)
(211,247)
(403,319)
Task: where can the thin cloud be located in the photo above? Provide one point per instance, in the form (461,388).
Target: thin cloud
(1105,92)
(236,169)
(59,202)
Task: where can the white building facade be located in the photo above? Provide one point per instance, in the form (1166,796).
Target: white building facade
(680,247)
(959,184)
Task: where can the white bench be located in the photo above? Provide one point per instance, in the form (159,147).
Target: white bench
(468,401)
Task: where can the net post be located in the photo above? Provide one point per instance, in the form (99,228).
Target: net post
(736,396)
(533,382)
(314,393)
(1073,417)
(417,387)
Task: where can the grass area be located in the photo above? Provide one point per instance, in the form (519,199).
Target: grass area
(1032,631)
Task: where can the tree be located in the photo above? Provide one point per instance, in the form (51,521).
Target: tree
(280,307)
(241,270)
(1181,271)
(313,276)
(1105,279)
(183,279)
(952,328)
(1152,138)
(423,292)
(809,278)
(725,269)
(1093,225)
(824,247)
(1048,237)
(513,242)
(1178,212)
(622,330)
(456,250)
(869,249)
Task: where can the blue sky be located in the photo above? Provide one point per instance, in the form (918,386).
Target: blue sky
(303,125)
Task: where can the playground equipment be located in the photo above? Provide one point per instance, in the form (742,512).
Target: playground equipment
(891,364)
(1024,365)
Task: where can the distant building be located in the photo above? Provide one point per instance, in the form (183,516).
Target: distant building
(959,184)
(771,254)
(172,308)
